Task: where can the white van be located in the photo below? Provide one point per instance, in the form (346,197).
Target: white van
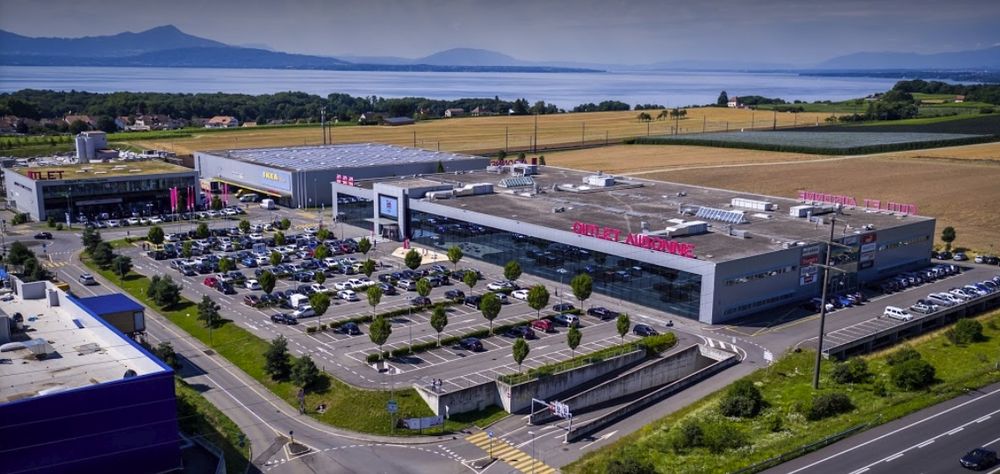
(897,313)
(298,300)
(268,204)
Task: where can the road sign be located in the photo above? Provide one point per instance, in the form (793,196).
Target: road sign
(768,356)
(391,407)
(489,433)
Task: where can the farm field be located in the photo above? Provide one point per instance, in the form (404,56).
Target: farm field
(831,143)
(643,159)
(489,134)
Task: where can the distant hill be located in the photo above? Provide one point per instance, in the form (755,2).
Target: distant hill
(974,59)
(470,57)
(121,44)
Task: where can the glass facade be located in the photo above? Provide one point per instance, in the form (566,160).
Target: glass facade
(113,199)
(671,290)
(355,211)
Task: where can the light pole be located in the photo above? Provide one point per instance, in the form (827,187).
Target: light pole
(532,433)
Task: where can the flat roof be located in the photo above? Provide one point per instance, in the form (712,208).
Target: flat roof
(108,304)
(325,157)
(97,170)
(631,201)
(84,351)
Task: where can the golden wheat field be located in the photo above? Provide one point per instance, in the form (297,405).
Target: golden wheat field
(489,134)
(647,159)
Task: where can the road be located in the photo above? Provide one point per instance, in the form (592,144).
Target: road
(929,441)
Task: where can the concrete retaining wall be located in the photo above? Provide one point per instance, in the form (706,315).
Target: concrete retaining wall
(592,426)
(473,398)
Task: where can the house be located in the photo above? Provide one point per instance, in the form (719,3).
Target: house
(452,113)
(222,121)
(370,118)
(734,103)
(122,122)
(69,119)
(249,124)
(482,112)
(959,99)
(397,121)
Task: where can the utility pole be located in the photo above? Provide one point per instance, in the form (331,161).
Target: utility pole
(534,147)
(583,133)
(414,139)
(322,123)
(506,136)
(822,304)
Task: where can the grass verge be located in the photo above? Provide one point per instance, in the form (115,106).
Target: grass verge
(786,388)
(199,418)
(348,407)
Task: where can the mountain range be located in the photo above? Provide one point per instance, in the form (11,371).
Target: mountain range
(167,46)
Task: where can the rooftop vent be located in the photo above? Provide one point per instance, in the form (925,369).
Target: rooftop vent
(721,215)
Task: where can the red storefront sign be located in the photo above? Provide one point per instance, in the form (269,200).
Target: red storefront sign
(850,201)
(650,242)
(37,175)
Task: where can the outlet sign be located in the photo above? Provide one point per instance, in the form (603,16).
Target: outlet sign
(850,201)
(37,175)
(645,241)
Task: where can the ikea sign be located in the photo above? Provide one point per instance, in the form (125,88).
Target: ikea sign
(272,176)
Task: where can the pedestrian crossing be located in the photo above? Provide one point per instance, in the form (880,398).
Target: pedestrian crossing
(54,264)
(507,453)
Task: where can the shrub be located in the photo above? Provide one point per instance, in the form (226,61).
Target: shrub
(879,388)
(59,226)
(310,329)
(775,422)
(986,110)
(827,405)
(902,355)
(629,465)
(658,343)
(912,374)
(852,371)
(965,331)
(722,436)
(687,435)
(742,400)
(20,218)
(51,222)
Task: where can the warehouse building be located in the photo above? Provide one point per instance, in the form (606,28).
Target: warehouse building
(709,254)
(301,176)
(77,395)
(111,190)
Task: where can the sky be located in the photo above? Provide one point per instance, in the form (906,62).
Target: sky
(791,32)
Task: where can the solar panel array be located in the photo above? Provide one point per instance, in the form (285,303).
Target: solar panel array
(305,158)
(516,182)
(721,215)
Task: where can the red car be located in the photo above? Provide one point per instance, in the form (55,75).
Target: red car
(211,282)
(543,325)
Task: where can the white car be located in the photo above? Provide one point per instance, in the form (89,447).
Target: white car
(229,212)
(114,223)
(303,312)
(348,261)
(155,220)
(252,285)
(319,288)
(342,285)
(359,283)
(347,295)
(132,221)
(329,262)
(496,286)
(520,294)
(263,260)
(310,230)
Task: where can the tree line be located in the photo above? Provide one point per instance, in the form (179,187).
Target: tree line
(989,93)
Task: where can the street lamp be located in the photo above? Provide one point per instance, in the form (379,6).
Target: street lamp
(532,433)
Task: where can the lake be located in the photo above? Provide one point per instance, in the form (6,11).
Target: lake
(565,90)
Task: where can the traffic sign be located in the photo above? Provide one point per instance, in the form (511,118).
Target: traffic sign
(768,356)
(391,406)
(489,434)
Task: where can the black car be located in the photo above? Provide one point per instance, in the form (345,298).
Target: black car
(306,290)
(563,307)
(280,318)
(603,313)
(643,330)
(472,301)
(387,289)
(520,331)
(472,344)
(420,301)
(979,459)
(225,288)
(455,295)
(351,329)
(44,235)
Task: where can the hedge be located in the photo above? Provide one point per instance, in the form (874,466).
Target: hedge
(424,346)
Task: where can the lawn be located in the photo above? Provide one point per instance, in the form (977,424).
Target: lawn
(199,418)
(348,407)
(786,387)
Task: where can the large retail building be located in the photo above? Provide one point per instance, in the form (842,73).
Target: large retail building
(300,176)
(708,254)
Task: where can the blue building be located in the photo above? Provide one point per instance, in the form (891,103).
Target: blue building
(77,395)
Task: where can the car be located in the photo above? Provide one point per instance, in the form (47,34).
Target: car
(318,288)
(960,257)
(303,312)
(472,344)
(342,285)
(349,328)
(543,325)
(921,308)
(281,318)
(521,294)
(225,288)
(87,279)
(251,300)
(565,319)
(643,330)
(502,297)
(388,289)
(210,282)
(347,295)
(252,285)
(563,307)
(455,295)
(500,286)
(472,301)
(420,301)
(520,331)
(603,313)
(44,235)
(979,459)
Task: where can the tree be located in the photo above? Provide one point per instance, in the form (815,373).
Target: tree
(854,370)
(582,286)
(644,117)
(208,312)
(103,255)
(155,235)
(165,352)
(743,399)
(423,287)
(279,238)
(91,237)
(364,246)
(678,113)
(106,124)
(470,279)
(19,253)
(275,257)
(455,255)
(948,236)
(121,265)
(520,351)
(663,115)
(368,267)
(321,252)
(490,307)
(502,154)
(319,277)
(267,281)
(538,298)
(202,231)
(541,160)
(304,372)
(34,271)
(323,234)
(573,337)
(374,294)
(163,291)
(512,270)
(278,361)
(226,264)
(723,100)
(827,405)
(413,259)
(440,167)
(439,320)
(622,325)
(379,331)
(320,302)
(187,249)
(216,203)
(285,223)
(965,331)
(244,226)
(78,126)
(912,374)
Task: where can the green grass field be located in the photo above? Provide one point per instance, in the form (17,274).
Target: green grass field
(786,386)
(199,418)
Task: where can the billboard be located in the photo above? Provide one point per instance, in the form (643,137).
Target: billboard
(388,206)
